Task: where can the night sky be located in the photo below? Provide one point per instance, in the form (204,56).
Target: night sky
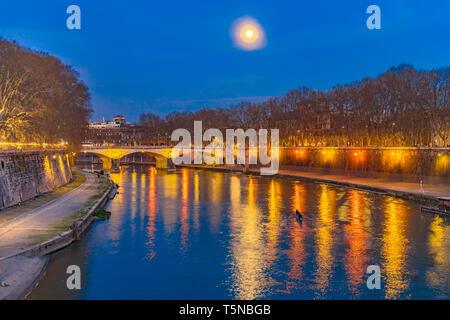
(162,56)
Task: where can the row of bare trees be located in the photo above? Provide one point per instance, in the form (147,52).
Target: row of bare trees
(401,107)
(42,100)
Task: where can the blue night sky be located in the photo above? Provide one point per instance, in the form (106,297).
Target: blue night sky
(162,56)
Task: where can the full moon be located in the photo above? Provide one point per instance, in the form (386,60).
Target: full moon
(248,34)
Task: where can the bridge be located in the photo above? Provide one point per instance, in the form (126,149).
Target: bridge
(111,155)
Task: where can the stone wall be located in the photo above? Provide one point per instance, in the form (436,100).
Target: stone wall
(395,161)
(27,174)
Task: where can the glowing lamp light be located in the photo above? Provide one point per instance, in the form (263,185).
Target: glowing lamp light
(248,34)
(20,145)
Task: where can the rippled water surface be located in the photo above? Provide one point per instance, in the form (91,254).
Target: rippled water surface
(212,235)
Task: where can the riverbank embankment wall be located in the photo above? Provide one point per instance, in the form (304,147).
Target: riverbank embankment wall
(27,174)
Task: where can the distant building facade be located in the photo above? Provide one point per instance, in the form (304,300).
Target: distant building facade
(113,133)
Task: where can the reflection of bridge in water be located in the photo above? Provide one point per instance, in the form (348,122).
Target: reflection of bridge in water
(111,155)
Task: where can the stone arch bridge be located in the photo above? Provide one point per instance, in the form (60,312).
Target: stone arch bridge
(112,155)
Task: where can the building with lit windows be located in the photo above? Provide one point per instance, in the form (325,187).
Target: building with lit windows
(113,133)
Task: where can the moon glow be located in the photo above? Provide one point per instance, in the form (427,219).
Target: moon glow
(248,34)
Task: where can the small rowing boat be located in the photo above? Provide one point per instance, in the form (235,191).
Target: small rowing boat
(299,218)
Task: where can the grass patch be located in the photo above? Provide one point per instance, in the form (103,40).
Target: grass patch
(77,180)
(56,228)
(10,213)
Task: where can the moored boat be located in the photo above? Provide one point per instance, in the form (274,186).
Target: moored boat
(442,208)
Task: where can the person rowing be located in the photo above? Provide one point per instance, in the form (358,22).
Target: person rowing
(299,217)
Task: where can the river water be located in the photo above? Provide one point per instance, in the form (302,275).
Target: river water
(198,234)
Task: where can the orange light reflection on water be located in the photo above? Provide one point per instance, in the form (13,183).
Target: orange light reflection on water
(439,241)
(196,202)
(152,209)
(394,249)
(184,209)
(115,206)
(324,238)
(170,205)
(356,258)
(297,234)
(274,217)
(249,261)
(214,191)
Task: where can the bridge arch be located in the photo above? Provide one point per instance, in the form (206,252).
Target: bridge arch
(112,155)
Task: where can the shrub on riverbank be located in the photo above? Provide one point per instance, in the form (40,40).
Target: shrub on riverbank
(102,214)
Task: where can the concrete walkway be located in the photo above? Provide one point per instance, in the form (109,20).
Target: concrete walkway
(26,229)
(19,275)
